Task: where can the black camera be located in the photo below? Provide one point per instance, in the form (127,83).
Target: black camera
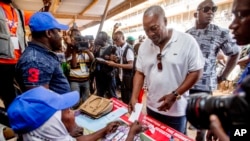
(81,43)
(89,37)
(232,110)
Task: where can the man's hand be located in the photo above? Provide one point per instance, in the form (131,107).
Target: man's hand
(216,131)
(46,7)
(112,126)
(116,26)
(131,105)
(111,63)
(76,132)
(136,127)
(168,100)
(114,58)
(67,39)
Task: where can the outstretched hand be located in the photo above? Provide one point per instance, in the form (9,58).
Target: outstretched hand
(136,127)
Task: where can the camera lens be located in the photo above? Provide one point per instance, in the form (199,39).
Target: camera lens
(201,106)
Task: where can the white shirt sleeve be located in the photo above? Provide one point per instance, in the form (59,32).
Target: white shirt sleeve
(130,55)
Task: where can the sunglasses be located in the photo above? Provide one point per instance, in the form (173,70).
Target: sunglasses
(207,8)
(159,64)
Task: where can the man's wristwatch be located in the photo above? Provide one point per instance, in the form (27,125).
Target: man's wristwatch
(177,95)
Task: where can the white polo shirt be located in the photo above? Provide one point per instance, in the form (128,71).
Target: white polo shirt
(180,56)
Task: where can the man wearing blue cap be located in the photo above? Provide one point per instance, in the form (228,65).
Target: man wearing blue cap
(40,114)
(39,65)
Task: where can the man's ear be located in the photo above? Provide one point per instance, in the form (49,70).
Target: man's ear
(48,33)
(165,20)
(195,14)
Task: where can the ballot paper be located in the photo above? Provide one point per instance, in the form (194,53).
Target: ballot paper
(136,113)
(97,124)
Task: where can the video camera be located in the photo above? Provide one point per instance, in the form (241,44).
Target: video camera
(81,43)
(232,110)
(89,37)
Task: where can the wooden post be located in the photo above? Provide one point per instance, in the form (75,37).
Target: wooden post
(103,16)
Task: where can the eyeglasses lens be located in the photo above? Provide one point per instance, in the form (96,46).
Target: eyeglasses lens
(206,9)
(159,64)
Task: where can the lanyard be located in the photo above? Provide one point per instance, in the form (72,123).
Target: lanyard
(81,58)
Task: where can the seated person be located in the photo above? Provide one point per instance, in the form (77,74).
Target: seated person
(41,114)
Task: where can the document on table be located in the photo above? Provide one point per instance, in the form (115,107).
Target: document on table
(136,114)
(97,124)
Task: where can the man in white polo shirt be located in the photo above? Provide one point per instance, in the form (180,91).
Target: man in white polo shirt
(171,63)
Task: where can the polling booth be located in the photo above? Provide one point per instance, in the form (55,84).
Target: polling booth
(156,131)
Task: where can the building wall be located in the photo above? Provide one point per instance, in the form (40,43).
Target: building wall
(179,14)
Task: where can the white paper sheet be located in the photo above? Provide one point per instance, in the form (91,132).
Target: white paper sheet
(136,114)
(97,124)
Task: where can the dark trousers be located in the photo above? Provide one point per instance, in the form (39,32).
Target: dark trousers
(105,84)
(7,89)
(177,123)
(125,93)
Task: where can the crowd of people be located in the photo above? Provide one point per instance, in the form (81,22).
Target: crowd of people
(171,63)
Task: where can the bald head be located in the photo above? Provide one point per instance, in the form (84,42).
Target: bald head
(154,10)
(154,24)
(205,2)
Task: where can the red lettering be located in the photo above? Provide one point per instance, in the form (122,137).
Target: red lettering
(33,75)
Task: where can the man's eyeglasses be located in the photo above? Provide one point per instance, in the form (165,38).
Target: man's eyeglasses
(207,8)
(159,64)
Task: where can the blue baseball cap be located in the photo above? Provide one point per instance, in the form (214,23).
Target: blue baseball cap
(34,107)
(42,21)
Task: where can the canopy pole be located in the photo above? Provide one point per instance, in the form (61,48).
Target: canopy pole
(104,16)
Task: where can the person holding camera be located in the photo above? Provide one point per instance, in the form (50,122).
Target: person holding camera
(225,116)
(80,58)
(211,39)
(240,29)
